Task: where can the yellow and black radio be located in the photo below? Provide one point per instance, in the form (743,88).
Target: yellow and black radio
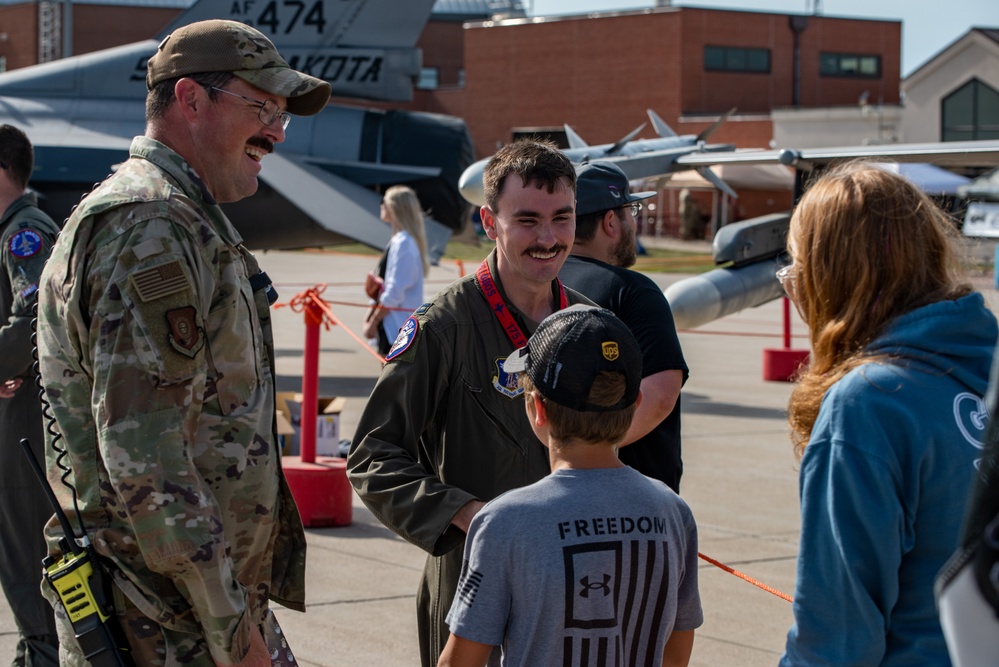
(84,589)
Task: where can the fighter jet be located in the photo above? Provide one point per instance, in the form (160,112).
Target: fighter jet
(638,158)
(318,187)
(748,252)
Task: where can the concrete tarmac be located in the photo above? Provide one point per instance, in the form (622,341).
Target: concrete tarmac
(740,480)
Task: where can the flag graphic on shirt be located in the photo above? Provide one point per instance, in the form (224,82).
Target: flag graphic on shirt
(615,594)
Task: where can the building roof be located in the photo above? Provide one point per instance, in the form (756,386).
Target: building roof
(989,33)
(465,10)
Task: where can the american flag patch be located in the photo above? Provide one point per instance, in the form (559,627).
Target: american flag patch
(159,281)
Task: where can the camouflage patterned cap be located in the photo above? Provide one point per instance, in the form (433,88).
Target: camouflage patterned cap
(230,46)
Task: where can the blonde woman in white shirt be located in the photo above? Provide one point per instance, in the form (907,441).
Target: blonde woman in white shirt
(397,290)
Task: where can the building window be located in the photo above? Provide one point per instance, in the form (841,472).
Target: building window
(850,65)
(461,77)
(3,63)
(736,59)
(971,112)
(429,79)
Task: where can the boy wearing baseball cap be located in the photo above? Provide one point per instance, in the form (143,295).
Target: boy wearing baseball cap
(596,563)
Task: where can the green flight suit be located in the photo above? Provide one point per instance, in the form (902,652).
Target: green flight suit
(445,425)
(26,235)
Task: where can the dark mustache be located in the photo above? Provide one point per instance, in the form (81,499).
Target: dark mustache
(262,143)
(537,249)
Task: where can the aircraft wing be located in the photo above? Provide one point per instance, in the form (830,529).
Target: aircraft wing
(71,156)
(82,152)
(343,212)
(945,154)
(375,173)
(72,153)
(294,190)
(657,162)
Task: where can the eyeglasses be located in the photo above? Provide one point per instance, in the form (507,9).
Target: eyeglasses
(636,208)
(785,276)
(269,111)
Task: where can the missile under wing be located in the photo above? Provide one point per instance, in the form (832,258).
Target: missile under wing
(754,249)
(81,113)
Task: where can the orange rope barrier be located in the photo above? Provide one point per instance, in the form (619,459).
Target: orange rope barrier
(311,297)
(355,304)
(354,283)
(363,343)
(746,577)
(736,333)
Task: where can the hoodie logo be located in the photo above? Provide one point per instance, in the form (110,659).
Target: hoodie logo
(971,416)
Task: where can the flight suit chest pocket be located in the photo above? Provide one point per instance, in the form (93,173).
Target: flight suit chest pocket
(233,332)
(499,400)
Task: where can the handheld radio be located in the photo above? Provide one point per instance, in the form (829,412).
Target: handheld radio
(83,588)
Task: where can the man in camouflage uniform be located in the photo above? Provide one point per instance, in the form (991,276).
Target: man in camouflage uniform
(158,361)
(445,429)
(26,238)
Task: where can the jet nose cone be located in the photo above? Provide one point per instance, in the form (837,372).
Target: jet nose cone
(470,183)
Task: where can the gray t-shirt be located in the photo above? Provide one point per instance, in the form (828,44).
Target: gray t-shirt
(583,567)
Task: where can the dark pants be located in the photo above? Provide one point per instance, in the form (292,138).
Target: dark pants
(24,509)
(433,601)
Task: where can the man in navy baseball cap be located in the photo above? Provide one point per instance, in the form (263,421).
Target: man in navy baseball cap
(603,249)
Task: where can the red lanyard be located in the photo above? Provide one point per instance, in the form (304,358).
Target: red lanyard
(503,314)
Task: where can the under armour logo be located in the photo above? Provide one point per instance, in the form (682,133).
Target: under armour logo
(595,586)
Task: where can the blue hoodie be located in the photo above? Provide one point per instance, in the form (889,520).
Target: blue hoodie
(884,482)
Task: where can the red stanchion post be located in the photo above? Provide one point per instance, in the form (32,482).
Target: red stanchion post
(310,382)
(319,485)
(787,323)
(782,364)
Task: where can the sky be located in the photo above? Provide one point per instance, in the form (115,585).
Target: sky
(927,27)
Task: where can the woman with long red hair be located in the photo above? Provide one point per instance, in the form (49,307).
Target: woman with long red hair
(887,418)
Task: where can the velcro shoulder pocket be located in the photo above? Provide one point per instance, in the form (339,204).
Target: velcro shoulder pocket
(169,331)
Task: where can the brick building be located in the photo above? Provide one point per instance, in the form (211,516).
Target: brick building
(597,72)
(32,32)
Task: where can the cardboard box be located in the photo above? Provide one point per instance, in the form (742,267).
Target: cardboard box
(327,422)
